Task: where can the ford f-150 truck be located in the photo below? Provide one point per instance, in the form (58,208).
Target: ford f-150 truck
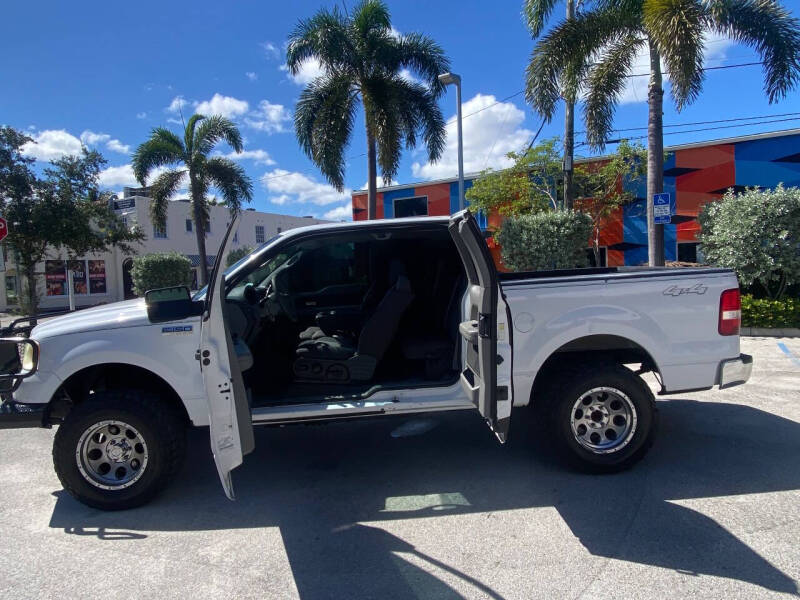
(370,319)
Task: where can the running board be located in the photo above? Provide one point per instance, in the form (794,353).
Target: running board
(294,413)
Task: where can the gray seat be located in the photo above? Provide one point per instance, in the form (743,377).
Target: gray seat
(336,358)
(238,327)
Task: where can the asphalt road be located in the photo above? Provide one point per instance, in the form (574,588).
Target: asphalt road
(349,511)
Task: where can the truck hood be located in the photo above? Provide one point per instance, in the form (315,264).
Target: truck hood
(129,313)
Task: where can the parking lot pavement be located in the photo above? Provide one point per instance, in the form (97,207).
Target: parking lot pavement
(348,511)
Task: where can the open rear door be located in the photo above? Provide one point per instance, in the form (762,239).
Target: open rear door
(228,409)
(486,328)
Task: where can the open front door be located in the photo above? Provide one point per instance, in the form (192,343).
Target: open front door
(486,328)
(228,409)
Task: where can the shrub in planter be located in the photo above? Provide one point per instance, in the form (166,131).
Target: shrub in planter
(546,240)
(160,269)
(756,233)
(757,312)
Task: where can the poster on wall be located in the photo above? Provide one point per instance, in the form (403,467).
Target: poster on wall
(55,276)
(78,269)
(97,276)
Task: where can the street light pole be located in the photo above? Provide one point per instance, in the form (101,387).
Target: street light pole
(453,79)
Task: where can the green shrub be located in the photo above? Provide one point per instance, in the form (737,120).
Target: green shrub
(770,313)
(237,254)
(546,240)
(160,269)
(756,233)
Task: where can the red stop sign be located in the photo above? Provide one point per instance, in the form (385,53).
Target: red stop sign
(3,229)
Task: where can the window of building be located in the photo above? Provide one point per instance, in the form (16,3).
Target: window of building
(188,226)
(12,295)
(260,237)
(88,277)
(160,233)
(279,230)
(603,257)
(236,237)
(690,252)
(416,206)
(124,220)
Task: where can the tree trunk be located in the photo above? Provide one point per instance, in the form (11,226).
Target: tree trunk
(372,176)
(200,231)
(655,158)
(569,135)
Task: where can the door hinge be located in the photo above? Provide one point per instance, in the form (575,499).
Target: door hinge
(484,325)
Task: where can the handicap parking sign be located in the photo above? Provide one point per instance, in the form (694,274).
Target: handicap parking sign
(662,212)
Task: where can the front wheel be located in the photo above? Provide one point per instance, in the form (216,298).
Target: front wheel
(117,449)
(601,418)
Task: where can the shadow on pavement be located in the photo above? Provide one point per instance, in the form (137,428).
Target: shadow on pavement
(320,484)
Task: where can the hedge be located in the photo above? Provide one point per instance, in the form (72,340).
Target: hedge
(757,312)
(160,269)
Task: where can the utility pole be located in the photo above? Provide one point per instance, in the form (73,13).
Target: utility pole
(569,133)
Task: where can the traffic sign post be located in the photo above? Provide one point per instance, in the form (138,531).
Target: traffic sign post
(662,211)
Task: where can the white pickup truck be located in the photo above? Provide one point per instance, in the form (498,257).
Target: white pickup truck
(395,317)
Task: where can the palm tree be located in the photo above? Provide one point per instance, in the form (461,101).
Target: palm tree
(364,59)
(597,50)
(191,157)
(536,13)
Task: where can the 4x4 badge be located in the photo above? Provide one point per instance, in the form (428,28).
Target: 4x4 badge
(674,290)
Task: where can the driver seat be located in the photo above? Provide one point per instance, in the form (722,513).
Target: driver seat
(336,358)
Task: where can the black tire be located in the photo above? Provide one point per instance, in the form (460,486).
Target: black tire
(566,387)
(161,427)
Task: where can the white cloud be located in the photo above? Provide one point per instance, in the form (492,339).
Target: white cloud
(380,183)
(177,104)
(291,187)
(488,136)
(309,71)
(269,117)
(409,76)
(251,76)
(259,157)
(121,176)
(90,138)
(141,115)
(227,106)
(52,144)
(340,213)
(270,50)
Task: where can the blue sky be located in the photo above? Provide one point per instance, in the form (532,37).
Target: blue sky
(105,73)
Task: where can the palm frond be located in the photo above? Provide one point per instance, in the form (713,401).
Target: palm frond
(606,82)
(212,130)
(536,13)
(165,186)
(676,27)
(370,15)
(231,180)
(324,37)
(191,125)
(771,30)
(560,58)
(423,57)
(323,120)
(161,149)
(419,111)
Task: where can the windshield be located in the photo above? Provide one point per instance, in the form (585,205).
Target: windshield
(201,293)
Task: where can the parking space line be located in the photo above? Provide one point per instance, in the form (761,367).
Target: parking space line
(789,354)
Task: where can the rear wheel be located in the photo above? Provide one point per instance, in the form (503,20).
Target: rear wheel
(601,418)
(117,449)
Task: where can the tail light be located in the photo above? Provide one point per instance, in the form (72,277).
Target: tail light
(730,312)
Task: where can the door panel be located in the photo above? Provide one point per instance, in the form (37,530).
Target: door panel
(485,330)
(231,428)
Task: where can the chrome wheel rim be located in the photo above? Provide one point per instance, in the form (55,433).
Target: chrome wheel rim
(603,420)
(111,455)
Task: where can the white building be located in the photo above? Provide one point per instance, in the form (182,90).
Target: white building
(105,277)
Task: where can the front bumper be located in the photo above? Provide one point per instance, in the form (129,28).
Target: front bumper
(735,371)
(16,415)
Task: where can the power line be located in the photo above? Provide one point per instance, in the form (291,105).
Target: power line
(641,137)
(731,120)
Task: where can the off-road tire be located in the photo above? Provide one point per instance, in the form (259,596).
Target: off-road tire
(161,426)
(565,387)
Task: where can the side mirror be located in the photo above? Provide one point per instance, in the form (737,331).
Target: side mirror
(171,304)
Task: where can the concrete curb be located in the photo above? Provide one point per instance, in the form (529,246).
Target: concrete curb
(769,332)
